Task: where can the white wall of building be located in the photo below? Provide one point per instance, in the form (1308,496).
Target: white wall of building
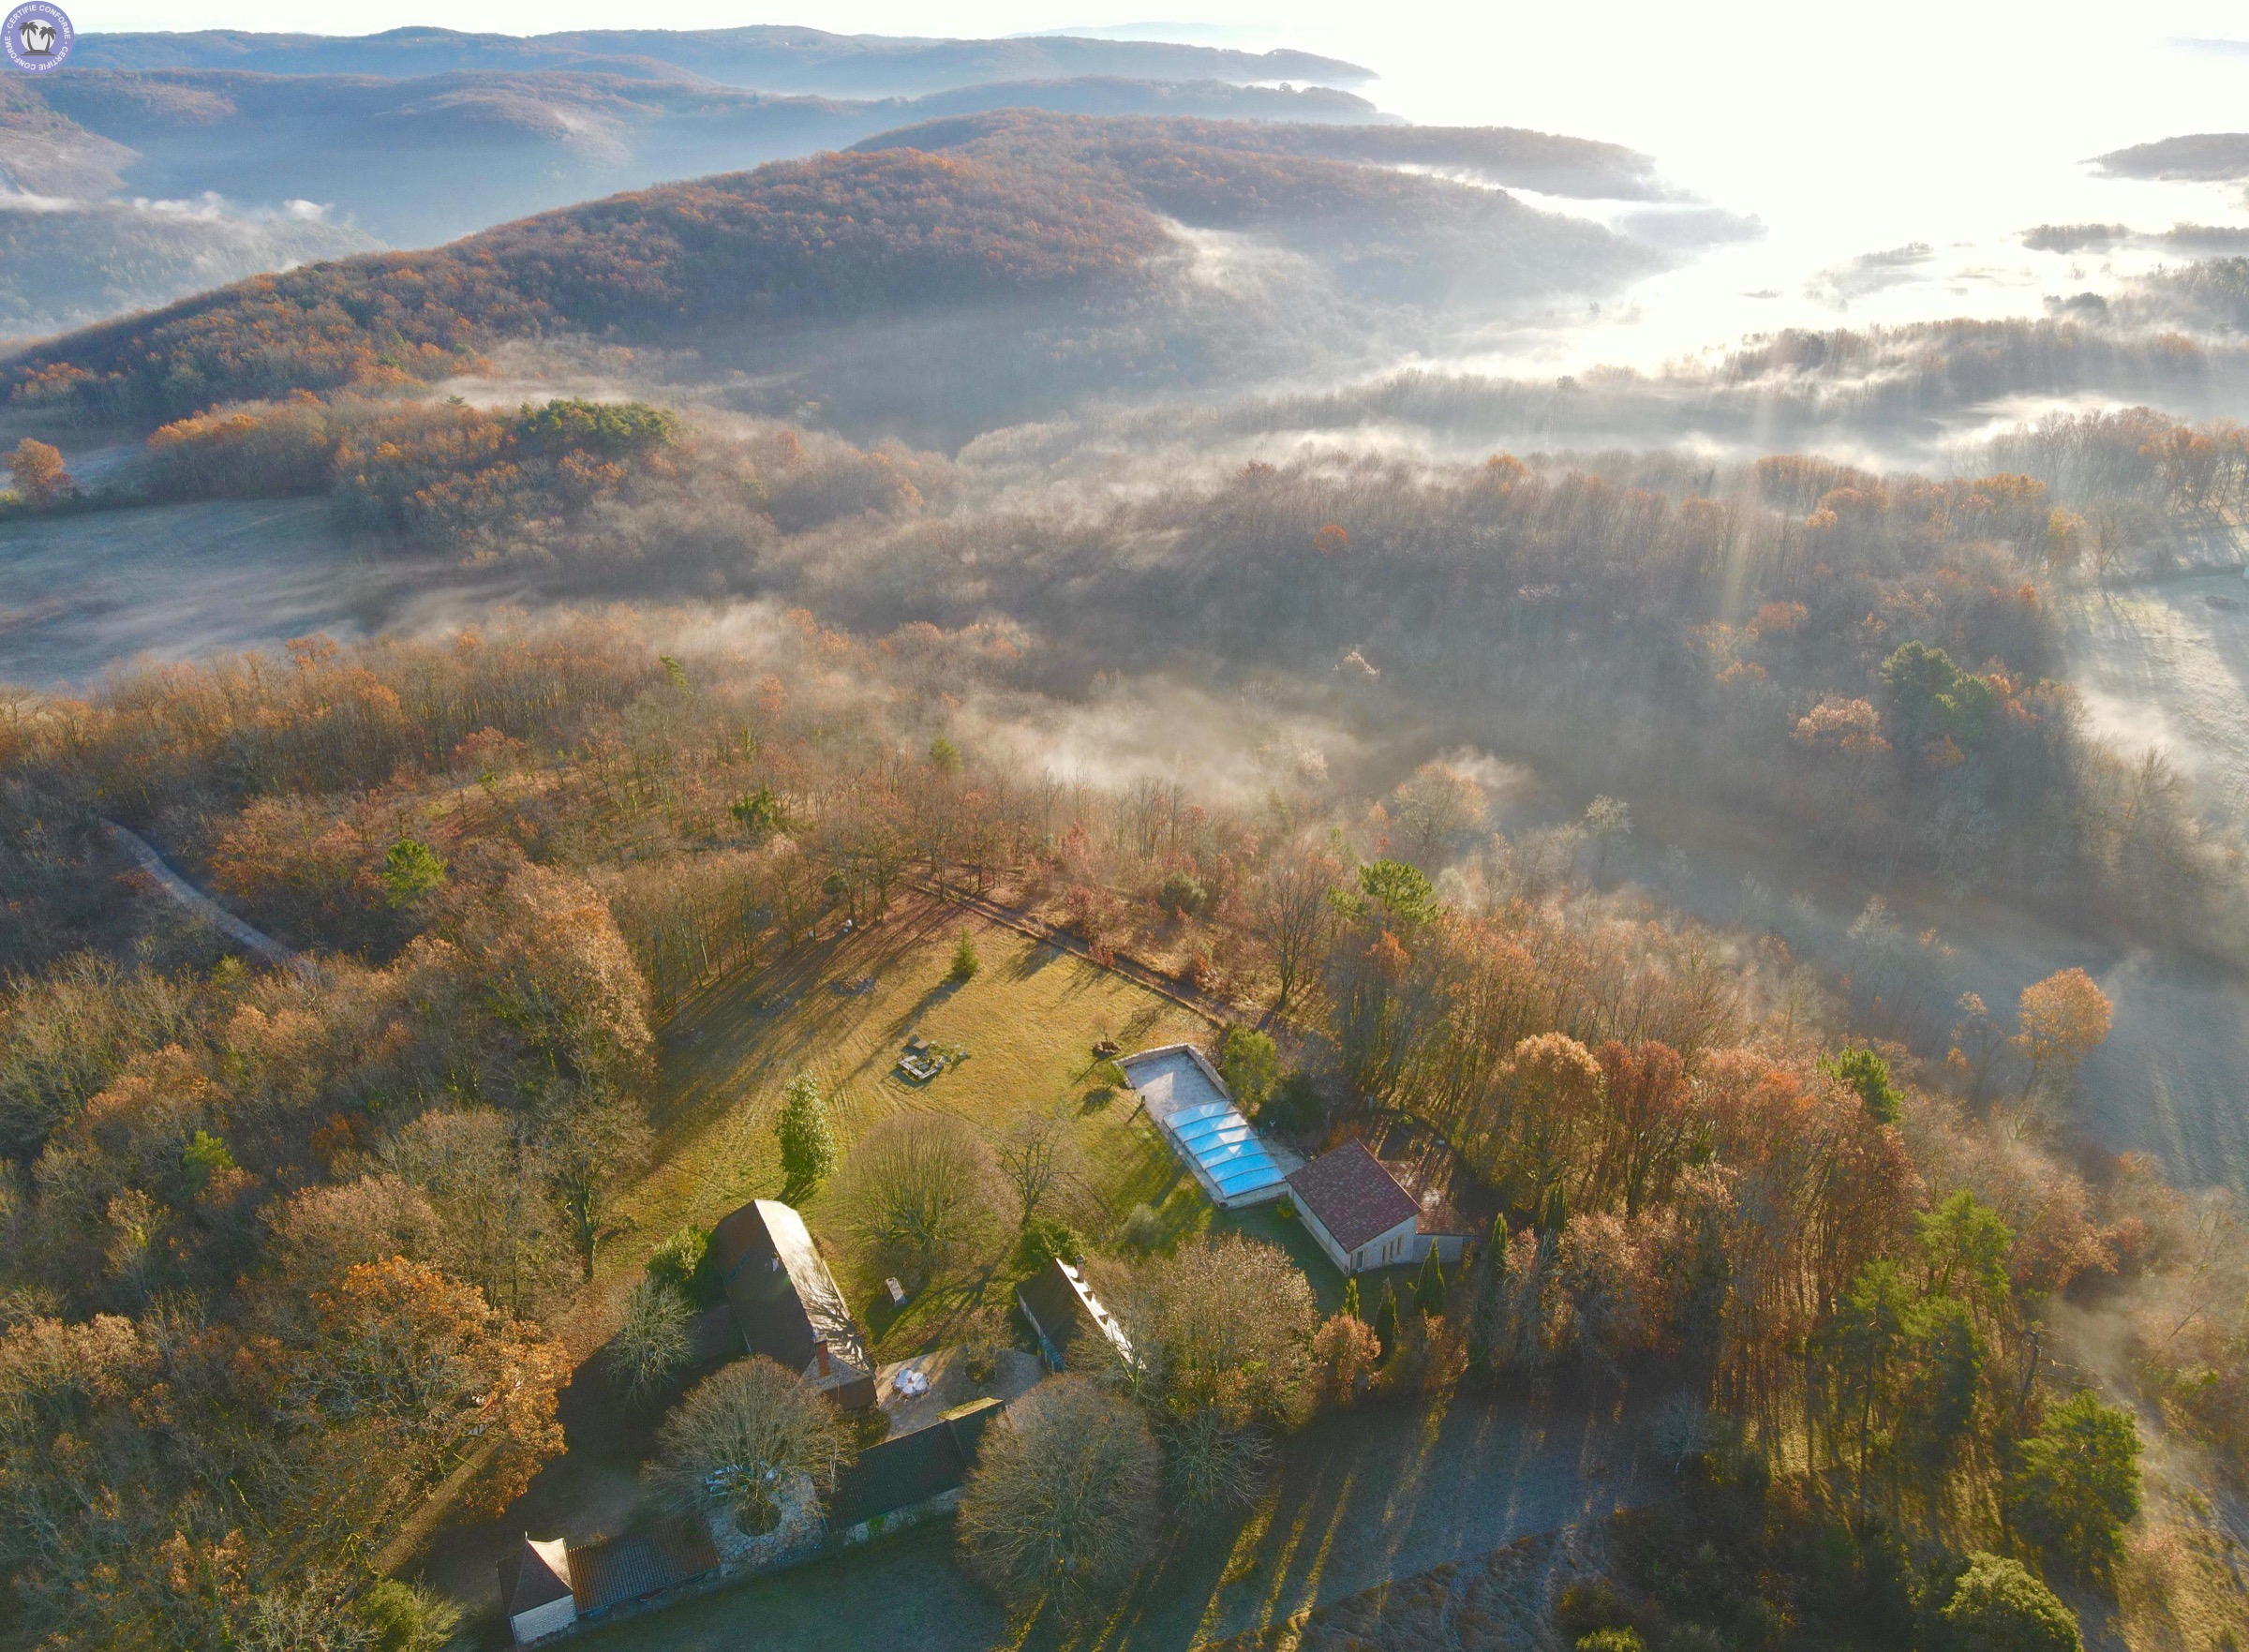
(1382,1251)
(541,1621)
(1449,1247)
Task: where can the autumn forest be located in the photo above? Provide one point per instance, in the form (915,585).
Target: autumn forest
(780,685)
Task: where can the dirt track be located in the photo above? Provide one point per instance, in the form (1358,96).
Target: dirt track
(187,895)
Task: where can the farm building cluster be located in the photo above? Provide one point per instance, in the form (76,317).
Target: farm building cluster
(784,1304)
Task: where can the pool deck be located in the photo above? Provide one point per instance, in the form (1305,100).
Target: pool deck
(1175,1079)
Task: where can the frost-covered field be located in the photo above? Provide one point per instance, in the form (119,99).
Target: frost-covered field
(178,582)
(2167,666)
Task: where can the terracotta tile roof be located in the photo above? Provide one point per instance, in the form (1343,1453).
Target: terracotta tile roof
(638,1564)
(1355,1199)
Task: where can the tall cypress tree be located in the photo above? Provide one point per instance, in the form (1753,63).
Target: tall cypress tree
(1386,1320)
(1429,1289)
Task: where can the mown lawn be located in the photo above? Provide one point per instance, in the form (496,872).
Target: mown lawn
(843,1009)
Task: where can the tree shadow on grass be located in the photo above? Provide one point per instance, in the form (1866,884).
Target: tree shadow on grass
(934,1314)
(902,1025)
(1143,1022)
(1368,1499)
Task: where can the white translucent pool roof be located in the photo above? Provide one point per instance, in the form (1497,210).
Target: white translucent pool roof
(1205,1124)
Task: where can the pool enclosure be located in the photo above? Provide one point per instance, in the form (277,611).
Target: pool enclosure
(1189,1103)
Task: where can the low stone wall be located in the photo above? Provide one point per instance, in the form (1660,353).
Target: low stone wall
(799,1535)
(896,1520)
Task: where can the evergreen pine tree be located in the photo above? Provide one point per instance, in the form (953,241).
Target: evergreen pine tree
(808,1139)
(1351,1298)
(410,870)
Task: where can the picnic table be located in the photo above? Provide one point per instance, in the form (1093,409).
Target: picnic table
(923,1060)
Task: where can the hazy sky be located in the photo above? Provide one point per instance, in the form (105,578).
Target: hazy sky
(1632,68)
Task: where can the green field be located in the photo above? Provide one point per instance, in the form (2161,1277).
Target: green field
(842,1008)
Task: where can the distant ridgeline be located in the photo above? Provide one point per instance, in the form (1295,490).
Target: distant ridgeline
(511,141)
(993,206)
(2198,157)
(775,59)
(167,164)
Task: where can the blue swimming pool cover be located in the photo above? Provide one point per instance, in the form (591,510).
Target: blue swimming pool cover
(1221,1141)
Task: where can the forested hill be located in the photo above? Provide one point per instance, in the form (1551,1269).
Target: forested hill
(508,144)
(771,58)
(1510,156)
(1021,206)
(829,236)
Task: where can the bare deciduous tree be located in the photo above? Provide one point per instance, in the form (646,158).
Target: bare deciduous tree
(322,1232)
(919,1189)
(741,1437)
(1225,1324)
(1293,917)
(496,1226)
(1437,805)
(651,1346)
(1210,1460)
(1039,1162)
(588,1141)
(1063,1501)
